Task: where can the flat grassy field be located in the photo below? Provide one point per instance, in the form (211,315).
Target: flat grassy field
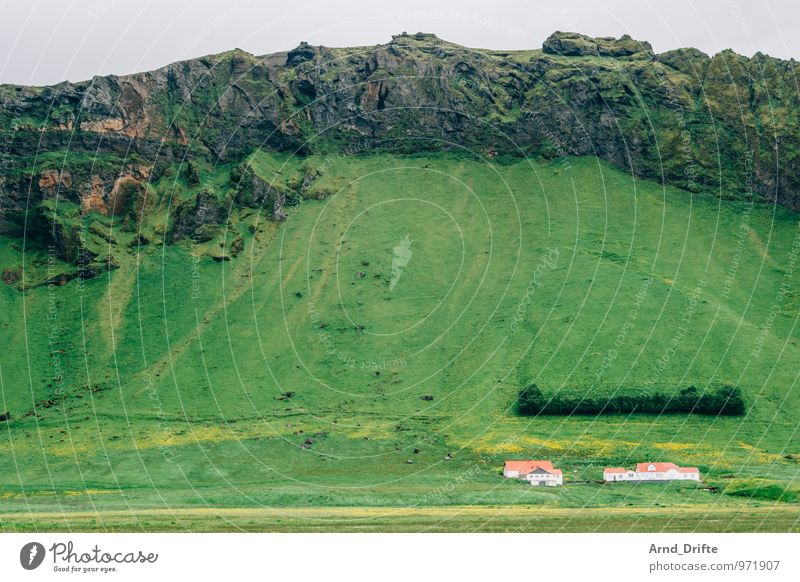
(458,519)
(311,374)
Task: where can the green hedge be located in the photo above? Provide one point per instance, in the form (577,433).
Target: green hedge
(723,401)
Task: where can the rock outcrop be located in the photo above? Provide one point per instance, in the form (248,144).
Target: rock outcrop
(725,124)
(199,219)
(574,44)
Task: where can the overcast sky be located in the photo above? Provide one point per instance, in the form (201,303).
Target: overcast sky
(46,41)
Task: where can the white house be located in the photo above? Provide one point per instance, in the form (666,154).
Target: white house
(534,472)
(652,472)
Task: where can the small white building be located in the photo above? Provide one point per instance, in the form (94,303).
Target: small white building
(537,473)
(652,472)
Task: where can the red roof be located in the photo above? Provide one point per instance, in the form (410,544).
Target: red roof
(525,467)
(658,467)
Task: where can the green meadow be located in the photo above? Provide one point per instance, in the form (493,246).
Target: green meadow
(308,371)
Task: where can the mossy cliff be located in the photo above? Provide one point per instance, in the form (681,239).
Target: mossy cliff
(726,124)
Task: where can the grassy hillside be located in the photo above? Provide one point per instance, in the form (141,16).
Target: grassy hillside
(294,373)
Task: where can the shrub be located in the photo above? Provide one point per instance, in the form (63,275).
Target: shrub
(531,401)
(760,489)
(723,401)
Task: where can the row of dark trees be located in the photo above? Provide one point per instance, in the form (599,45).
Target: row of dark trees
(722,401)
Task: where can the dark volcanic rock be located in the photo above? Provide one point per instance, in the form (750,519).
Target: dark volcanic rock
(574,44)
(303,53)
(693,121)
(199,218)
(257,193)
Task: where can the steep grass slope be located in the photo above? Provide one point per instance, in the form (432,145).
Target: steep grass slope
(369,349)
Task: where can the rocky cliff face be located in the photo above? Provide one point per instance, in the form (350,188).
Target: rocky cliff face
(726,124)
